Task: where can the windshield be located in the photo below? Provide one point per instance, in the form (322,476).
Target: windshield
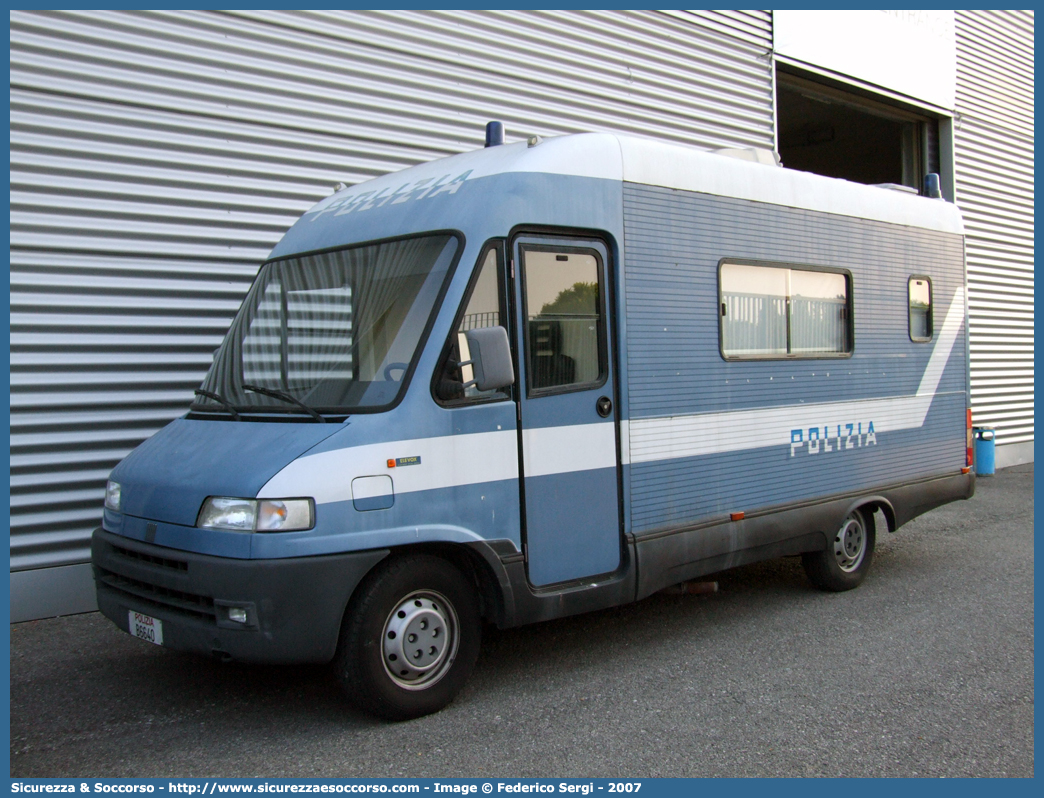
(333,332)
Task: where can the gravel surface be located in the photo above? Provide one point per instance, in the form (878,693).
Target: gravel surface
(925,670)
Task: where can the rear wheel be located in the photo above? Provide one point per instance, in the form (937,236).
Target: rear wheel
(844,563)
(409,639)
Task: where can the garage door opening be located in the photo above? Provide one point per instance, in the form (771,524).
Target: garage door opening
(833,132)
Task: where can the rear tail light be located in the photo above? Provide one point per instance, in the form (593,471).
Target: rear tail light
(970,442)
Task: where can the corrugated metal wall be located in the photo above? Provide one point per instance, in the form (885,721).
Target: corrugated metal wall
(157,156)
(994,178)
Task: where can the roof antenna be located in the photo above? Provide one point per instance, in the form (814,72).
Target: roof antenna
(494,134)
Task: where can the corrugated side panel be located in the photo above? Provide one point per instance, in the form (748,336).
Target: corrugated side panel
(994,153)
(156,157)
(674,242)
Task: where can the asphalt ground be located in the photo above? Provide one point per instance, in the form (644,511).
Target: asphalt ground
(925,670)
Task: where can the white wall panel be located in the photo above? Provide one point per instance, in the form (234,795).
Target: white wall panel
(156,157)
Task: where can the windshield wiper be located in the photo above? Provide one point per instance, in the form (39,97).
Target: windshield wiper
(220,400)
(286,398)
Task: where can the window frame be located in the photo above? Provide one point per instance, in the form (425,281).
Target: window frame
(931,309)
(499,246)
(603,331)
(849,311)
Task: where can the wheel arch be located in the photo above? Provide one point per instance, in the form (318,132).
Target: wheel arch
(871,504)
(468,560)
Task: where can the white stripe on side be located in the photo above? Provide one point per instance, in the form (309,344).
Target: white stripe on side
(457,460)
(445,462)
(562,450)
(943,346)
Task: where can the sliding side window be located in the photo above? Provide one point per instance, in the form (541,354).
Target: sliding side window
(771,311)
(920,297)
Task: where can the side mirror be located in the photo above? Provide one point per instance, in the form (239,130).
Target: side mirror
(490,358)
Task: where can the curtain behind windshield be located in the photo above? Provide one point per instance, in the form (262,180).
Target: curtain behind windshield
(336,329)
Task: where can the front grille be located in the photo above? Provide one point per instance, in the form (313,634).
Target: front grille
(130,554)
(156,595)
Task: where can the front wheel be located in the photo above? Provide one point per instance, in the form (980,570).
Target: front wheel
(409,639)
(843,564)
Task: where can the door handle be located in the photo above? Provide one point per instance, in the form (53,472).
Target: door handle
(604,405)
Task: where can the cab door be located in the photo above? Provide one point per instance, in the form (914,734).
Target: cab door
(567,405)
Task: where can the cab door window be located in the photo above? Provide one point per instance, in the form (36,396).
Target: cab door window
(483,307)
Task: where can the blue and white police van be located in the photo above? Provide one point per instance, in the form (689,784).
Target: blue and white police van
(535,380)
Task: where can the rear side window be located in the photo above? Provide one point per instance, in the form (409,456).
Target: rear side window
(920,299)
(771,311)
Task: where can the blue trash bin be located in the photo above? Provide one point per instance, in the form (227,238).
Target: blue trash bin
(985,451)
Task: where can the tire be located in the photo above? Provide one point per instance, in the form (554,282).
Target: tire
(844,563)
(409,638)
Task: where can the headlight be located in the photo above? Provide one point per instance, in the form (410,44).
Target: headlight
(220,512)
(112,495)
(281,515)
(260,515)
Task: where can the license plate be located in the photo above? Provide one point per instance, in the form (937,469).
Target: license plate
(145,627)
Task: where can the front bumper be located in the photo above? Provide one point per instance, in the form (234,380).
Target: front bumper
(294,606)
